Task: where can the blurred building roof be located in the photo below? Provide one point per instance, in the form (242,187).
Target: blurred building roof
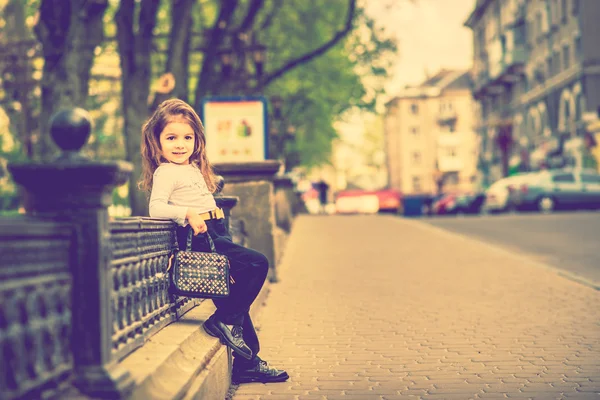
(433,86)
(437,78)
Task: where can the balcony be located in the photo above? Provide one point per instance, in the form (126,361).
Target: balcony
(446,116)
(509,69)
(448,139)
(450,164)
(485,83)
(503,61)
(515,16)
(513,65)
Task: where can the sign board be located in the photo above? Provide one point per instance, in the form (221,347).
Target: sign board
(235,128)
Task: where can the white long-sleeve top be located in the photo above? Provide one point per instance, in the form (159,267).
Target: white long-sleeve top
(175,188)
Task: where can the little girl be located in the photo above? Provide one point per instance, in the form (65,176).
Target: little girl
(181,180)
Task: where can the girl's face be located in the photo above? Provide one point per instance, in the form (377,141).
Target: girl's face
(177,142)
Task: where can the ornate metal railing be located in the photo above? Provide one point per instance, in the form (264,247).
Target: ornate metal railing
(77,296)
(141,302)
(35,310)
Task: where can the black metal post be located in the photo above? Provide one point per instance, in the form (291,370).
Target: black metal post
(225,202)
(78,190)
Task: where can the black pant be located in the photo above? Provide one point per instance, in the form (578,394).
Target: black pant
(247,267)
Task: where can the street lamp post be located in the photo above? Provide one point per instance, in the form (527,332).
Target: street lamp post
(280,132)
(234,65)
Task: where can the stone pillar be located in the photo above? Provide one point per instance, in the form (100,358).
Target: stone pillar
(252,182)
(284,198)
(78,190)
(226,203)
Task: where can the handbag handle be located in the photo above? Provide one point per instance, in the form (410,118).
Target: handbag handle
(188,246)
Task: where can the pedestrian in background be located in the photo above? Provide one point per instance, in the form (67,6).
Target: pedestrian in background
(323,188)
(177,172)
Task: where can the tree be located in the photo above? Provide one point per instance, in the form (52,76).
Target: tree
(135,48)
(17,70)
(238,25)
(178,56)
(350,75)
(135,51)
(69,32)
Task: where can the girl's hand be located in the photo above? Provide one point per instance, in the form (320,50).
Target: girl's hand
(197,224)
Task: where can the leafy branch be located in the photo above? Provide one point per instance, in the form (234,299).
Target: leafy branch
(316,52)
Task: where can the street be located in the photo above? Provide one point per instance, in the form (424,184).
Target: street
(567,241)
(376,307)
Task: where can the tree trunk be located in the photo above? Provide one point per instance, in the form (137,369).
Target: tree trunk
(210,59)
(179,46)
(69,32)
(17,70)
(135,50)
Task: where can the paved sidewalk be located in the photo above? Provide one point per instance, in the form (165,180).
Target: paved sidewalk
(378,307)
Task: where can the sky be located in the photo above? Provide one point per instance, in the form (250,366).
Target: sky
(430,36)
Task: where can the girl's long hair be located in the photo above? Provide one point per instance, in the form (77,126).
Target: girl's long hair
(169,111)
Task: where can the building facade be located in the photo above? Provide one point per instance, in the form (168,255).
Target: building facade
(431,146)
(536,73)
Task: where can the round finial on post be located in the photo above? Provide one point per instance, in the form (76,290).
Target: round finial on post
(70,129)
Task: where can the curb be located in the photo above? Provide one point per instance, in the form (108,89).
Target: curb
(179,359)
(503,251)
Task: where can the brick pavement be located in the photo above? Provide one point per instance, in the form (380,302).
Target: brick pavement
(378,307)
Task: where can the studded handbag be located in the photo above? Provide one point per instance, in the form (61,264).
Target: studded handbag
(198,274)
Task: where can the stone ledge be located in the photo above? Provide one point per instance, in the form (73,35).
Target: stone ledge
(182,361)
(247,171)
(179,358)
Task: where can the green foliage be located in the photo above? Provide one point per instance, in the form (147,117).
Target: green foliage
(374,141)
(10,151)
(317,94)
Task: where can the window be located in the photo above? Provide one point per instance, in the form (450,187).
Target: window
(538,26)
(416,156)
(452,178)
(566,57)
(574,7)
(554,11)
(578,50)
(416,182)
(550,63)
(451,152)
(563,11)
(530,33)
(446,107)
(414,130)
(589,178)
(568,178)
(414,108)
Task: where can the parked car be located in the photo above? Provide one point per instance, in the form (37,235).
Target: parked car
(468,203)
(444,204)
(390,200)
(559,189)
(498,194)
(458,203)
(429,204)
(368,201)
